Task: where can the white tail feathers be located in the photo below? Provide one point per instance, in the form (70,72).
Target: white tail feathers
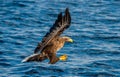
(27,58)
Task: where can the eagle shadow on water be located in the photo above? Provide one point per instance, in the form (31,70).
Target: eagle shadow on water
(52,41)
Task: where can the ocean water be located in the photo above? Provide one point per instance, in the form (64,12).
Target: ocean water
(95,29)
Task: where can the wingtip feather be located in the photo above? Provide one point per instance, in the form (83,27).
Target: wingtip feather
(67,9)
(27,58)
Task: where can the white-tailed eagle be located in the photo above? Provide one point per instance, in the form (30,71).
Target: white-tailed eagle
(52,41)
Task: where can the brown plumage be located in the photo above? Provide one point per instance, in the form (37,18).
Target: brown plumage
(52,41)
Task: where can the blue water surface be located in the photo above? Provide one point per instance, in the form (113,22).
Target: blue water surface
(95,29)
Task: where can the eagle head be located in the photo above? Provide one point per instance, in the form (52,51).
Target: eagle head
(67,39)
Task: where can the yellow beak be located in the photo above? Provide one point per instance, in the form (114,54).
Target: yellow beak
(70,40)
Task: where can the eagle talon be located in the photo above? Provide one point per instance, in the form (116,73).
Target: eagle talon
(63,57)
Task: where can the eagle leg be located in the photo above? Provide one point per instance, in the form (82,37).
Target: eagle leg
(53,58)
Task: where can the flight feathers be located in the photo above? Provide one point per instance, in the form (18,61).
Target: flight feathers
(62,22)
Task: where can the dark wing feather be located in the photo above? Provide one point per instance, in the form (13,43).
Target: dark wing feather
(62,23)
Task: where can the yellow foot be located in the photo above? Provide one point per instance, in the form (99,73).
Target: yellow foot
(63,57)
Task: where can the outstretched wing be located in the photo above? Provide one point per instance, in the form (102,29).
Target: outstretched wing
(62,23)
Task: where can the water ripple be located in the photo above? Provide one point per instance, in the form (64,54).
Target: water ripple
(94,29)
